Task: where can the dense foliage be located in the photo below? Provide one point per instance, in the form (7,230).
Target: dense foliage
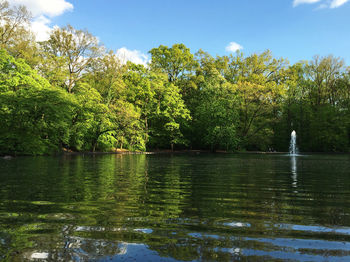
(69,93)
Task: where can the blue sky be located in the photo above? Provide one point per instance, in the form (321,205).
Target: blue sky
(293,29)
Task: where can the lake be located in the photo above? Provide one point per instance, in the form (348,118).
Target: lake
(187,207)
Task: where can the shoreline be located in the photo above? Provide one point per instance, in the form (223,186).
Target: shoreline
(155,152)
(168,152)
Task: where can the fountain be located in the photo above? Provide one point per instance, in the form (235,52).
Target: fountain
(293,152)
(293,149)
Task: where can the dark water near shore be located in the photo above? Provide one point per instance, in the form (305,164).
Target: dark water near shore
(181,207)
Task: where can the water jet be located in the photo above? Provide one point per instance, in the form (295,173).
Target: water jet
(293,149)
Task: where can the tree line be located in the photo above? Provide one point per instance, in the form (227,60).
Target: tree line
(71,93)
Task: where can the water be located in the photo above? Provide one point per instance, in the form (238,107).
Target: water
(293,149)
(180,207)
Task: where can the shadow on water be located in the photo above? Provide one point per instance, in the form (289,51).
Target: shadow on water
(175,207)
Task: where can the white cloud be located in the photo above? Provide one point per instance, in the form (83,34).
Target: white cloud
(299,2)
(233,47)
(42,11)
(337,3)
(324,4)
(134,56)
(49,8)
(41,29)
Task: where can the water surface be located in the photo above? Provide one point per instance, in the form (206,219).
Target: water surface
(175,207)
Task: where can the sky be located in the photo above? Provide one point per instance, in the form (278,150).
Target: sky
(293,29)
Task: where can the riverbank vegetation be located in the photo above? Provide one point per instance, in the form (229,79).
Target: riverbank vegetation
(70,93)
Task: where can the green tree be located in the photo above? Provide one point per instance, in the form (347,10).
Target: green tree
(78,48)
(171,113)
(15,35)
(105,75)
(216,117)
(91,119)
(175,61)
(316,105)
(34,116)
(259,81)
(160,103)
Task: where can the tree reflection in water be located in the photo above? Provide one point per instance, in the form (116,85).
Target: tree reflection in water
(180,207)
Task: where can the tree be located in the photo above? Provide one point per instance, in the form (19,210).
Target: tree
(293,109)
(34,116)
(140,92)
(171,113)
(13,23)
(324,73)
(105,74)
(315,105)
(91,119)
(78,48)
(174,61)
(259,81)
(216,116)
(160,103)
(15,35)
(130,131)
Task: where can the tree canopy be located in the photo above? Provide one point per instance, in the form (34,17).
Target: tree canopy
(71,93)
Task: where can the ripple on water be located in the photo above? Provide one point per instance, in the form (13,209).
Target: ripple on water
(168,208)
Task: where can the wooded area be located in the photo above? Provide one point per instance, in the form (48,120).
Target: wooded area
(71,93)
